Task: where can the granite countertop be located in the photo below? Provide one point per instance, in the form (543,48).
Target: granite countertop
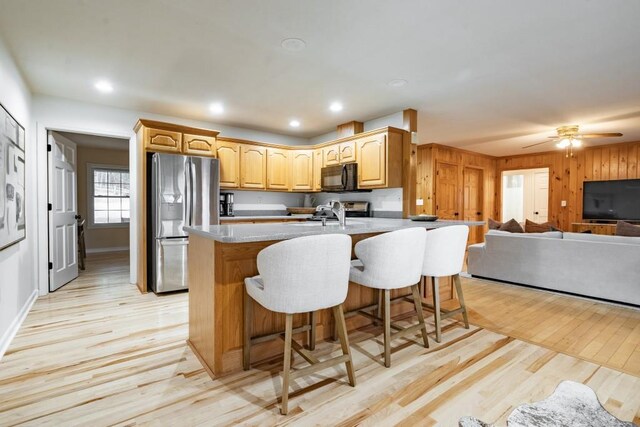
(255,217)
(243,233)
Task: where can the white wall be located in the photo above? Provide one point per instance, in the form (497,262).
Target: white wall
(394,120)
(17,276)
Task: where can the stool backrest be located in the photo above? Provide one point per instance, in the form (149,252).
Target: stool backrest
(444,251)
(306,273)
(393,260)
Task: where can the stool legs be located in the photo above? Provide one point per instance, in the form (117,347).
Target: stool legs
(288,332)
(417,301)
(435,287)
(311,334)
(387,327)
(344,342)
(246,336)
(456,281)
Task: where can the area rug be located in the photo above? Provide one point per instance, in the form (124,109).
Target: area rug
(572,404)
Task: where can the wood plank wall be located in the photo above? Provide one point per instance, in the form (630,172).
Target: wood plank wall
(567,175)
(430,154)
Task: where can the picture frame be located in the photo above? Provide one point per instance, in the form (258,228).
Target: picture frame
(13,227)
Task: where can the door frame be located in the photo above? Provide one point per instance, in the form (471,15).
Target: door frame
(499,186)
(42,212)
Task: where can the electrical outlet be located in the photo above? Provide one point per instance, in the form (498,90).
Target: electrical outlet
(563,203)
(419,202)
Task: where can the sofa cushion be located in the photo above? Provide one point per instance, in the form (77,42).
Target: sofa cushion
(624,228)
(493,224)
(602,238)
(534,227)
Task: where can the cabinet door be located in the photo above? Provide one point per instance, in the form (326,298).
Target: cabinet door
(164,141)
(277,169)
(253,167)
(331,155)
(199,145)
(229,157)
(348,152)
(317,169)
(446,191)
(302,170)
(372,161)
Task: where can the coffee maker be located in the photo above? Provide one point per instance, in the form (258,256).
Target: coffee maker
(226,204)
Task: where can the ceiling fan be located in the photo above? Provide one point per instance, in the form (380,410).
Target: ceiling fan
(569,138)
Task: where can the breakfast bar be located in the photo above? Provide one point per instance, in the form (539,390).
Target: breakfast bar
(220,257)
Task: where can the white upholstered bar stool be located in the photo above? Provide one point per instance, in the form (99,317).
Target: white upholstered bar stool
(392,261)
(301,275)
(444,256)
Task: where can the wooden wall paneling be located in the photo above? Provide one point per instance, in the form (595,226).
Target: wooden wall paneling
(409,163)
(632,161)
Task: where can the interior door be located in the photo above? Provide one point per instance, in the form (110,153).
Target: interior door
(63,229)
(541,196)
(472,200)
(447,191)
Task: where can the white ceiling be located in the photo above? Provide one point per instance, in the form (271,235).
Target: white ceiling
(489,76)
(95,141)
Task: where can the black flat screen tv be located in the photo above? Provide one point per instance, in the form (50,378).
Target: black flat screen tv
(612,200)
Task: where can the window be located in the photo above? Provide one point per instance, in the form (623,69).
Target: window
(109,195)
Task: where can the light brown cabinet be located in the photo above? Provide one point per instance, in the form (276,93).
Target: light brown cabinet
(372,161)
(302,170)
(199,145)
(161,140)
(253,166)
(317,169)
(228,154)
(331,155)
(348,152)
(277,169)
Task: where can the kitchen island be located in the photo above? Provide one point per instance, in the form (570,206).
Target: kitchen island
(221,256)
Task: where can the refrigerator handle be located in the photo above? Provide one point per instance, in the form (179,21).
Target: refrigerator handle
(187,193)
(157,195)
(192,173)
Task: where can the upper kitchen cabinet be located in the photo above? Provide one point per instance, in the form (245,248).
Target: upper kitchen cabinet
(253,166)
(317,169)
(277,169)
(331,155)
(198,145)
(228,154)
(348,152)
(171,138)
(372,161)
(302,170)
(164,141)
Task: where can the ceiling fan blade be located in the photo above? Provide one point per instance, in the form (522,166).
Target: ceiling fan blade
(537,143)
(554,137)
(600,135)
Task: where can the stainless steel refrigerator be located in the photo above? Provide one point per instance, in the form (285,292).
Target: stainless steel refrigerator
(184,191)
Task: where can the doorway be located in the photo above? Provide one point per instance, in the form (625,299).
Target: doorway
(473,199)
(525,195)
(89,205)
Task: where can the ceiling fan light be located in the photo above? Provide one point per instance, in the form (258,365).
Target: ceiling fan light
(576,143)
(563,143)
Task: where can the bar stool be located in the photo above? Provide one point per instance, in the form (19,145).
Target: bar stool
(391,261)
(301,275)
(444,256)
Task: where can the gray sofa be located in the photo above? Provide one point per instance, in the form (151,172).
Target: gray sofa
(606,267)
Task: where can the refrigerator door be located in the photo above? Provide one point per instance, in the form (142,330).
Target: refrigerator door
(171,265)
(169,187)
(204,191)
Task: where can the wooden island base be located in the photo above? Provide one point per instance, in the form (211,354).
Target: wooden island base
(216,286)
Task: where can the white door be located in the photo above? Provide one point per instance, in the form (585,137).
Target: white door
(541,196)
(63,242)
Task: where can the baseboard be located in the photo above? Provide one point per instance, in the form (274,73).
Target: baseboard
(17,322)
(103,250)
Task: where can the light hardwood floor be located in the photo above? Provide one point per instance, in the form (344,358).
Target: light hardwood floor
(96,352)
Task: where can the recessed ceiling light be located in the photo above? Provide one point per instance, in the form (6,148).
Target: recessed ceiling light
(294,123)
(397,82)
(335,107)
(293,45)
(104,86)
(216,108)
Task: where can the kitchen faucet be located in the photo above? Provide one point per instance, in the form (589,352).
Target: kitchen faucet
(338,209)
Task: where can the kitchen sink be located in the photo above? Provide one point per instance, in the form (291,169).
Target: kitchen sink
(319,223)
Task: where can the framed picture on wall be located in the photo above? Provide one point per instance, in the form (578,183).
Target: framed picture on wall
(12,180)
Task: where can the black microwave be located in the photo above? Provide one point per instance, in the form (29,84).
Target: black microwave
(340,177)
